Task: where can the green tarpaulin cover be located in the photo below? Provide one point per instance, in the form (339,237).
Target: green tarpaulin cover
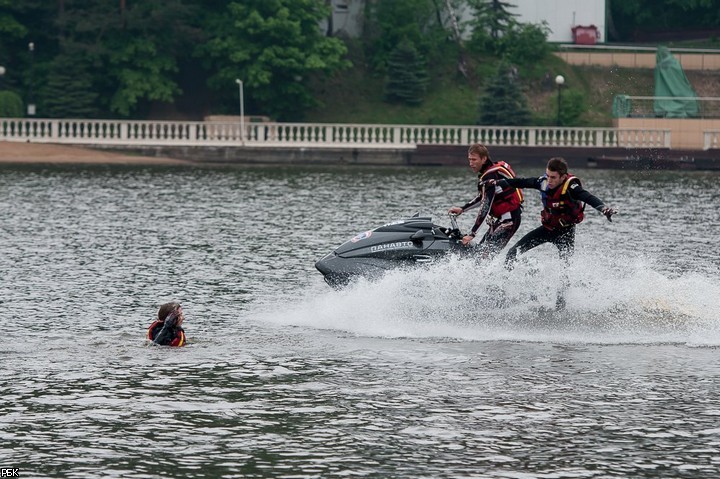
(670,81)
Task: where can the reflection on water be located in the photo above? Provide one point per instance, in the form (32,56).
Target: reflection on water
(420,374)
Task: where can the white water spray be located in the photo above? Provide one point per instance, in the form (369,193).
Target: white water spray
(609,301)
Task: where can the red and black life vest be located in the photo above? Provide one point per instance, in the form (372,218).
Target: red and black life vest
(509,199)
(559,209)
(177,340)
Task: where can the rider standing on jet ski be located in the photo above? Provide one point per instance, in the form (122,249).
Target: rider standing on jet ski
(563,199)
(500,206)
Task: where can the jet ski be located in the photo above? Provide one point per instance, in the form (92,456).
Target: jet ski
(406,242)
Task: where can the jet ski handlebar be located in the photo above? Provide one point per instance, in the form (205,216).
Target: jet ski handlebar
(454,230)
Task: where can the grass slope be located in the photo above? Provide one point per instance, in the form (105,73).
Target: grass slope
(356,95)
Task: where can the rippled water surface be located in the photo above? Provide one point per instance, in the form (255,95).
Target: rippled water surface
(423,373)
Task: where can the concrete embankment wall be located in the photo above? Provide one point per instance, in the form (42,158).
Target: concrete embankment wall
(605,158)
(623,59)
(435,155)
(277,155)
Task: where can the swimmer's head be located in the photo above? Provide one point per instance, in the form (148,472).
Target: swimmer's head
(171,312)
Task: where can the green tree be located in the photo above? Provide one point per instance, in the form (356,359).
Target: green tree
(390,22)
(503,102)
(407,75)
(627,17)
(273,46)
(9,24)
(22,23)
(143,59)
(133,49)
(491,20)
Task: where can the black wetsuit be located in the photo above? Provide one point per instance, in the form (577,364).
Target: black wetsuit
(562,237)
(167,333)
(500,230)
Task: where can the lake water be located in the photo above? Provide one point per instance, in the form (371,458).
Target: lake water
(419,374)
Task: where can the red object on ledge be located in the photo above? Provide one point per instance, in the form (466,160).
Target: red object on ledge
(585,35)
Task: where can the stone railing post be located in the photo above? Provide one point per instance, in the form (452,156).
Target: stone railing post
(123,130)
(54,129)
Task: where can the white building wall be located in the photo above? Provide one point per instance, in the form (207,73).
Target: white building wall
(347,17)
(562,15)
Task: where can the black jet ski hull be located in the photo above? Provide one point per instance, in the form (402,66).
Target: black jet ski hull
(399,244)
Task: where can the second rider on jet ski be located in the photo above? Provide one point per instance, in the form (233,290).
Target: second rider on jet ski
(501,207)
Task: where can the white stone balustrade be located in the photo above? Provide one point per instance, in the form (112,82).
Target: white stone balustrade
(711,139)
(319,135)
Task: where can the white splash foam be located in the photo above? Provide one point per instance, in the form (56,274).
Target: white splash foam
(608,300)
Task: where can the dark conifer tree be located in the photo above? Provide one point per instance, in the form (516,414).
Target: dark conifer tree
(503,102)
(494,16)
(407,75)
(69,92)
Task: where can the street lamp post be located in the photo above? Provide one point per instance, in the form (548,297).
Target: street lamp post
(31,105)
(2,74)
(242,110)
(559,81)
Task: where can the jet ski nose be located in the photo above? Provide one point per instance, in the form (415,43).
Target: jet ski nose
(332,271)
(322,264)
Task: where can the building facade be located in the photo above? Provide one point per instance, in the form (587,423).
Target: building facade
(559,15)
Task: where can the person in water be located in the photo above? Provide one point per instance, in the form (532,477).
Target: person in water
(563,200)
(499,205)
(167,329)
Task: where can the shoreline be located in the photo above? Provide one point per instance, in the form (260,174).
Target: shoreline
(423,156)
(32,153)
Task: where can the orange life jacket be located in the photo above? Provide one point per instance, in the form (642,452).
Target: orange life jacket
(178,340)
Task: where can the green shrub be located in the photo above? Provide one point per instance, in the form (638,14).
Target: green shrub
(572,107)
(526,44)
(11,105)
